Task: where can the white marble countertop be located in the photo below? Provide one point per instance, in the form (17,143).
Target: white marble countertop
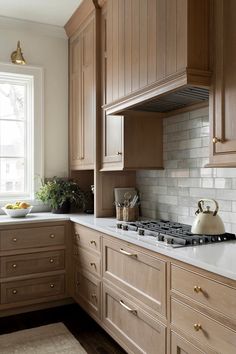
(219,258)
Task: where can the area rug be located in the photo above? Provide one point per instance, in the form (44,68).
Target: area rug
(54,338)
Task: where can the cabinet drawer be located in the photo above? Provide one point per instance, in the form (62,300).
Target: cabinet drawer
(32,263)
(131,325)
(88,238)
(31,289)
(218,296)
(140,275)
(32,237)
(88,292)
(182,346)
(208,332)
(88,261)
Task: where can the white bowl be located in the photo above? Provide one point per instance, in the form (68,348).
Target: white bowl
(17,213)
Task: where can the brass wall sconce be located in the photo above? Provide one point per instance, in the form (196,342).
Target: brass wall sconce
(17,55)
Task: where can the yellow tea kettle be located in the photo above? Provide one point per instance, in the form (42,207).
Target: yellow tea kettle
(207,222)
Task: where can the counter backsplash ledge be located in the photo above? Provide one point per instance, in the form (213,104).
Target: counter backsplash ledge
(172,193)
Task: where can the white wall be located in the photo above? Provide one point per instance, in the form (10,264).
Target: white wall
(46,46)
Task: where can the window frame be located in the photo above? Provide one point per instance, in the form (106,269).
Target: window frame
(36,79)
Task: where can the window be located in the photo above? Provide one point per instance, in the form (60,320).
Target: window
(20,131)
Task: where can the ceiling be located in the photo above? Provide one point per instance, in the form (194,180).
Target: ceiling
(52,12)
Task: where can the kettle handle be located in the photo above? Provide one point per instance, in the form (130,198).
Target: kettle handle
(208,200)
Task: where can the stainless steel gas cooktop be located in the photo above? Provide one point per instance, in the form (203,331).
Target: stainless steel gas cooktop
(168,234)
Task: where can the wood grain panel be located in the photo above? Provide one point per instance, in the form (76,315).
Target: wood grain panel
(213,294)
(32,237)
(211,333)
(152,51)
(141,276)
(121,54)
(22,290)
(87,238)
(136,330)
(162,45)
(180,346)
(88,292)
(223,94)
(128,48)
(135,45)
(143,23)
(17,265)
(182,34)
(171,36)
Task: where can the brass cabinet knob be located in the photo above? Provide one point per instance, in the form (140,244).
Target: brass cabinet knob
(94,296)
(93,242)
(52,236)
(52,285)
(197,326)
(14,291)
(197,289)
(51,260)
(14,239)
(216,140)
(119,153)
(14,265)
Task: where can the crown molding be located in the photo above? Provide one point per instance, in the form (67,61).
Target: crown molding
(8,23)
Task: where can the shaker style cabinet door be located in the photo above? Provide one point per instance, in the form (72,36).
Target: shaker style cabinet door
(82,97)
(223,95)
(112,141)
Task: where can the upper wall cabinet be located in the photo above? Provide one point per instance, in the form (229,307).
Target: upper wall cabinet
(223,93)
(82,96)
(133,141)
(154,47)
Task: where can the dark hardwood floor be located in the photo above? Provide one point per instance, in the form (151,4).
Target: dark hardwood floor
(91,336)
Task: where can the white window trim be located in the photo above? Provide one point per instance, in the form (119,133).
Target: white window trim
(38,122)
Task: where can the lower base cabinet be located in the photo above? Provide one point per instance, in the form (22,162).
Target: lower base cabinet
(88,292)
(132,327)
(32,289)
(181,346)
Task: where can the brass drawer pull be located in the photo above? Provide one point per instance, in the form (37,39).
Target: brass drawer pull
(52,236)
(14,291)
(14,265)
(216,140)
(52,286)
(51,260)
(14,239)
(119,153)
(93,242)
(197,326)
(128,253)
(197,289)
(128,308)
(93,265)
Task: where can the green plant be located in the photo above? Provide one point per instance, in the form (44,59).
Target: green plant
(56,191)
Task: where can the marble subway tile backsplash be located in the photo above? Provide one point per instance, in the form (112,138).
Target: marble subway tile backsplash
(172,193)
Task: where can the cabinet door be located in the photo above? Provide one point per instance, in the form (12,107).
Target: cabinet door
(75,103)
(181,346)
(223,96)
(112,141)
(82,98)
(88,97)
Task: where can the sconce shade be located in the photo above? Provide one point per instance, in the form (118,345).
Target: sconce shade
(17,55)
